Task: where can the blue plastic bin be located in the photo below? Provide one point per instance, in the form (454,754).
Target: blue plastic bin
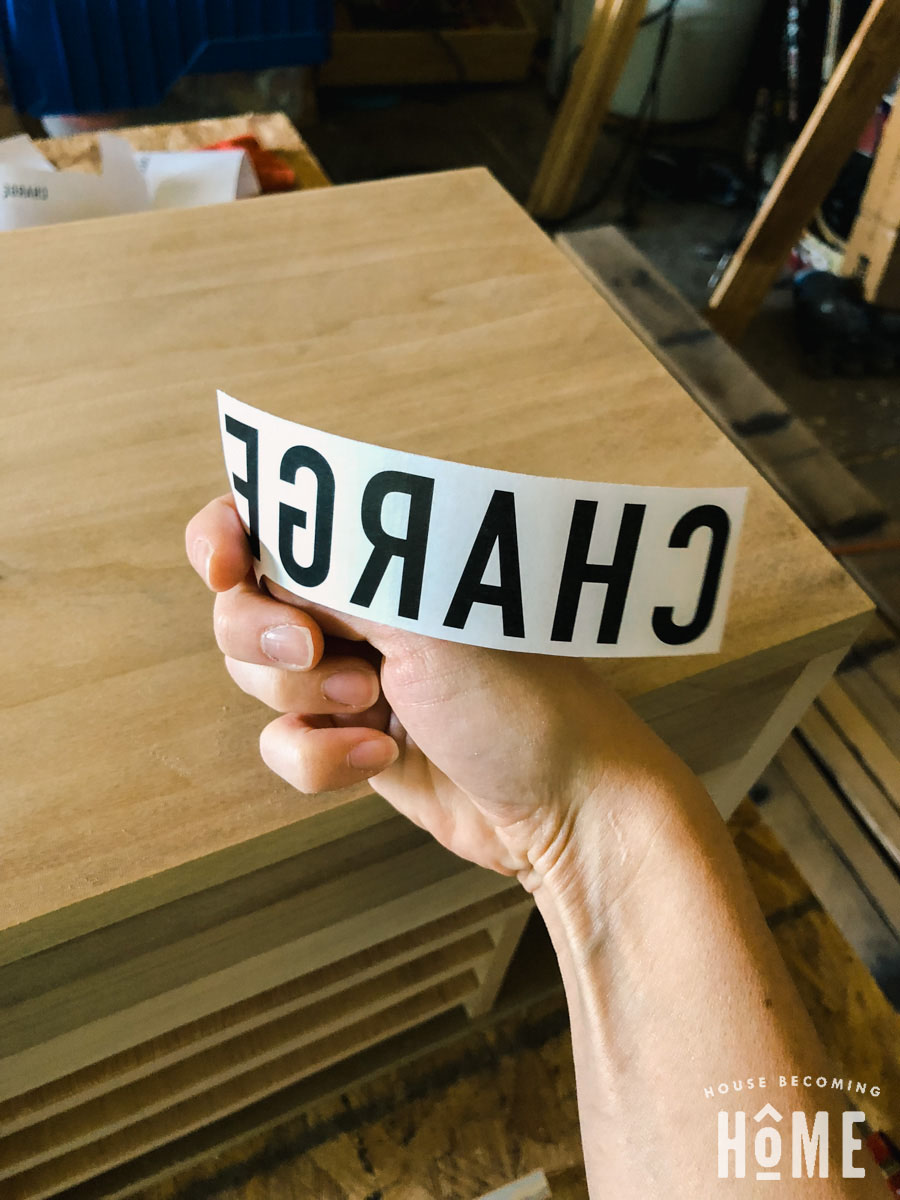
(86,56)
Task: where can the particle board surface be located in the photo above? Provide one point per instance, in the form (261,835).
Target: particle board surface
(425,313)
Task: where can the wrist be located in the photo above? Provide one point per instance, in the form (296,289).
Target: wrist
(633,836)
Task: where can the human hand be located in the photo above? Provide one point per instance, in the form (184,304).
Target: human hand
(501,756)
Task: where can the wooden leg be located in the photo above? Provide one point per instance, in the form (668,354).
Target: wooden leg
(864,72)
(491,973)
(606,48)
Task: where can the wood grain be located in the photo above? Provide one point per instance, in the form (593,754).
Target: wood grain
(114,1071)
(848,101)
(198,1070)
(596,73)
(217,1101)
(424,313)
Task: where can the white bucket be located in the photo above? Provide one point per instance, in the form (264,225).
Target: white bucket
(707,51)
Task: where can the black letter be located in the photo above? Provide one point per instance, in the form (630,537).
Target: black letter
(577,571)
(386,546)
(498,527)
(295,460)
(249,487)
(711,517)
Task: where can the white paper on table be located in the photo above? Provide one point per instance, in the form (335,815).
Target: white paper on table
(31,195)
(33,192)
(20,150)
(484,557)
(185,179)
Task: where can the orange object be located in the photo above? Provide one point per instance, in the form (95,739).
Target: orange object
(273,173)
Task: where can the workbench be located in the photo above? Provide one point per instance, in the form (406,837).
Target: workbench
(182,937)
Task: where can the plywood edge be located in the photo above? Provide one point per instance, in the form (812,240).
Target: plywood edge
(129,1065)
(225,1098)
(200,1070)
(342,813)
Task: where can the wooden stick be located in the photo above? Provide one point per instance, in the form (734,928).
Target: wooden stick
(596,73)
(829,136)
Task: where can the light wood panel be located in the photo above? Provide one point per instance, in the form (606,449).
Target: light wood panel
(223,1098)
(201,1069)
(60,1031)
(425,313)
(102,1076)
(598,68)
(181,935)
(882,883)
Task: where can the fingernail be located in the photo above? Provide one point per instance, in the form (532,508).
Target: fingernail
(357,688)
(373,755)
(201,557)
(290,646)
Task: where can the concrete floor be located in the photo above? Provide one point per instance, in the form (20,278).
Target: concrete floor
(379,134)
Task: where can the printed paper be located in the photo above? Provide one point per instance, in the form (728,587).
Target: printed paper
(485,557)
(184,179)
(33,192)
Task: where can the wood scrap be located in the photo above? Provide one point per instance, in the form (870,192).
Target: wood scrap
(851,96)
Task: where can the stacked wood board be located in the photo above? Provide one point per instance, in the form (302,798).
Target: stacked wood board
(833,797)
(182,936)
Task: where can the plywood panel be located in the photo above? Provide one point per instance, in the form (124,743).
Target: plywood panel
(58,1032)
(68,1169)
(425,313)
(138,1061)
(196,1072)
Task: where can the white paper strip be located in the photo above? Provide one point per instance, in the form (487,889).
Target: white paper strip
(490,558)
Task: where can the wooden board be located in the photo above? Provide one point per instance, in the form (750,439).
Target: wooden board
(872,256)
(860,851)
(847,102)
(598,68)
(792,816)
(198,1070)
(425,313)
(117,1070)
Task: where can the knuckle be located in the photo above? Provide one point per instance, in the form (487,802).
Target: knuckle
(223,624)
(280,690)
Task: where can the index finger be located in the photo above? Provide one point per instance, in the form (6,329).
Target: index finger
(217,545)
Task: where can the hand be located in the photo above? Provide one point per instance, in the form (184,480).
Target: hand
(501,756)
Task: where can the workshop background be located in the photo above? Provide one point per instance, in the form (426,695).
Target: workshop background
(690,118)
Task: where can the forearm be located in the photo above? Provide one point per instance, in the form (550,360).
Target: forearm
(675,986)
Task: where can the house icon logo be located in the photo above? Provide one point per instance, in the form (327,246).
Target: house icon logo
(771,1145)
